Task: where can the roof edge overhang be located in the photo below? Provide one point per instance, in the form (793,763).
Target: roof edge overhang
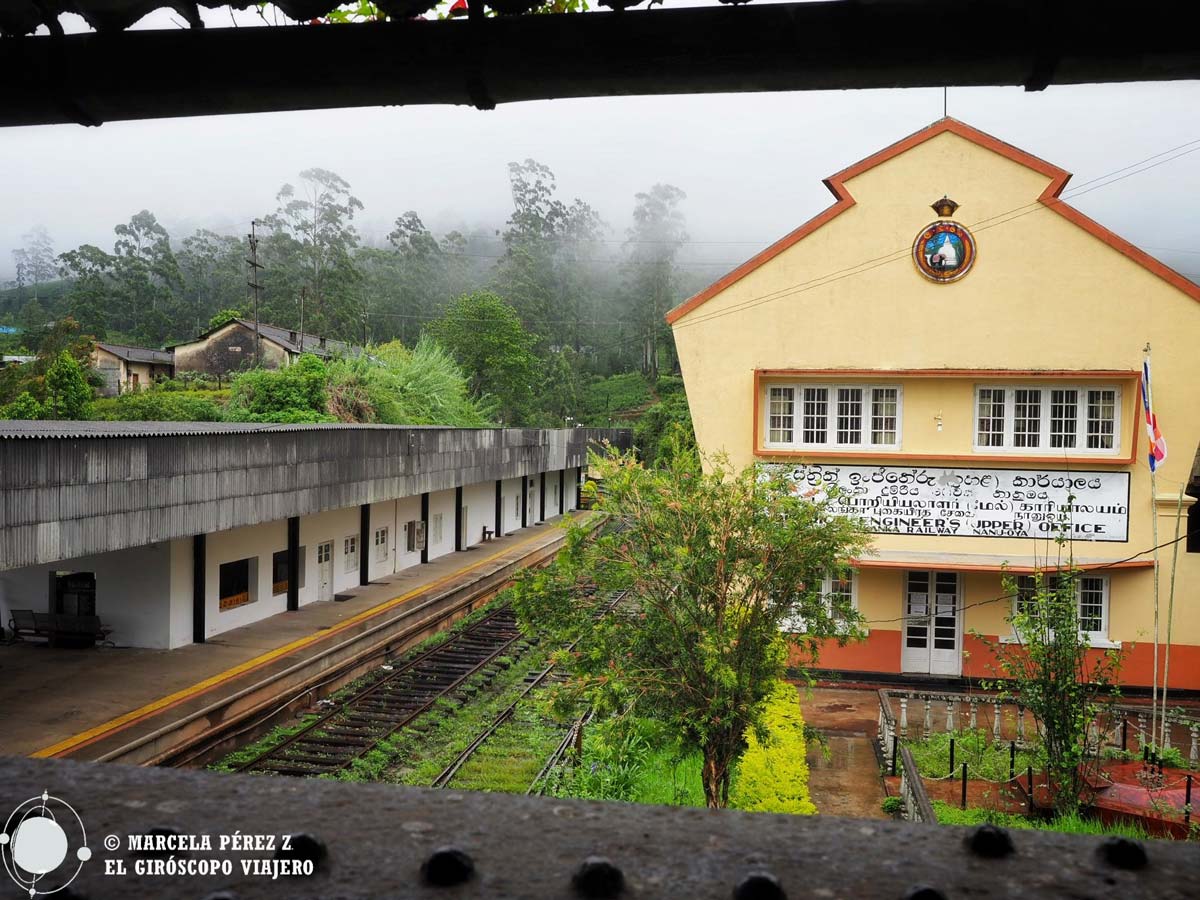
(836,183)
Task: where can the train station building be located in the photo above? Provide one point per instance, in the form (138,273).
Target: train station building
(960,351)
(220,566)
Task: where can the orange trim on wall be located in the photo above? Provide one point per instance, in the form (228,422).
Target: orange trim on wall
(880,652)
(1081,374)
(869,563)
(1048,198)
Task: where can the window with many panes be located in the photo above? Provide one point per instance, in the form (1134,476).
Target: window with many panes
(839,596)
(381,544)
(1049,420)
(1091,598)
(838,416)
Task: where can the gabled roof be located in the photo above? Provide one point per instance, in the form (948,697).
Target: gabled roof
(1049,198)
(289,339)
(138,354)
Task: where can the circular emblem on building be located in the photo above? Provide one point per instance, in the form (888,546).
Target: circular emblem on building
(944,251)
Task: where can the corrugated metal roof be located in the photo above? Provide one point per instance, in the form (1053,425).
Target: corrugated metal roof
(22,428)
(138,354)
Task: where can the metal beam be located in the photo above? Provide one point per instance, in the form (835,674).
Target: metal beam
(94,78)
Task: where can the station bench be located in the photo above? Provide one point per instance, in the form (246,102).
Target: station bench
(58,630)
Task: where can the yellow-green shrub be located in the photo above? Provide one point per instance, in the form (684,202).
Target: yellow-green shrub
(773,777)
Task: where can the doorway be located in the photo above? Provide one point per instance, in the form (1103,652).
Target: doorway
(325,571)
(932,624)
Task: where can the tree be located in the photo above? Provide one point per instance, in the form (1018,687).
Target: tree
(1050,671)
(220,318)
(89,299)
(215,275)
(68,394)
(312,239)
(716,564)
(655,238)
(35,261)
(148,280)
(485,335)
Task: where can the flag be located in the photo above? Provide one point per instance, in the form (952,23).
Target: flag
(1158,444)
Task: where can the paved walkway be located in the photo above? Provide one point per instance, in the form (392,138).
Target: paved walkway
(846,782)
(61,702)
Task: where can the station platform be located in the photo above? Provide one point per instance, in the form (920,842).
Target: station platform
(88,704)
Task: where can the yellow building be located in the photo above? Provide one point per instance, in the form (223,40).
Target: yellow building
(961,373)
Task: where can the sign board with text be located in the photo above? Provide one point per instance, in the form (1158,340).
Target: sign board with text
(1002,503)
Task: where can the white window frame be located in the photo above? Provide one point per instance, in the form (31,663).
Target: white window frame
(797,625)
(1099,638)
(349,554)
(1008,447)
(866,430)
(381,544)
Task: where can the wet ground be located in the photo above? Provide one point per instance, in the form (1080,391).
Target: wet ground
(844,779)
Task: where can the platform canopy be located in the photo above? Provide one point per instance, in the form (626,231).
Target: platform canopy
(482,59)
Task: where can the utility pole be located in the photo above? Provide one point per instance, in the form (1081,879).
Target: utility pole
(303,291)
(255,265)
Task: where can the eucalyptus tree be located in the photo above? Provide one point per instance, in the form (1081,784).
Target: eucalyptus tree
(651,282)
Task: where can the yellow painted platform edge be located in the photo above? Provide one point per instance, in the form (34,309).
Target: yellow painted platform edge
(93,734)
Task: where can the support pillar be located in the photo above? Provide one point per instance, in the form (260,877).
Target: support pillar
(425,520)
(499,507)
(542,499)
(364,537)
(458,523)
(199,556)
(293,563)
(524,502)
(562,482)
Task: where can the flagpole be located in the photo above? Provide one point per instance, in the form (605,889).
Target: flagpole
(1170,615)
(1148,403)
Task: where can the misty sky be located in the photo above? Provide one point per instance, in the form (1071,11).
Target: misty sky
(751,164)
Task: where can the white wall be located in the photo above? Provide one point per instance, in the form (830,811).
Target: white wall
(181,593)
(133,592)
(441,502)
(480,501)
(511,505)
(253,541)
(334,525)
(572,483)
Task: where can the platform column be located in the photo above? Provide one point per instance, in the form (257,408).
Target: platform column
(199,546)
(364,536)
(293,563)
(524,502)
(499,507)
(562,480)
(542,499)
(458,525)
(425,521)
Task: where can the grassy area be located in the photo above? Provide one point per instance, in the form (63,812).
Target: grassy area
(984,759)
(1075,824)
(615,396)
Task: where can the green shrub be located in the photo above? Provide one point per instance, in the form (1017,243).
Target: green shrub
(25,406)
(294,394)
(773,776)
(155,405)
(664,431)
(893,806)
(984,759)
(948,814)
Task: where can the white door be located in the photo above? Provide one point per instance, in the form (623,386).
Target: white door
(325,571)
(932,624)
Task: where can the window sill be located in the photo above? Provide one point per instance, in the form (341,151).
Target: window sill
(1095,643)
(902,457)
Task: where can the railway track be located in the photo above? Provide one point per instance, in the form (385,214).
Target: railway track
(534,682)
(358,724)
